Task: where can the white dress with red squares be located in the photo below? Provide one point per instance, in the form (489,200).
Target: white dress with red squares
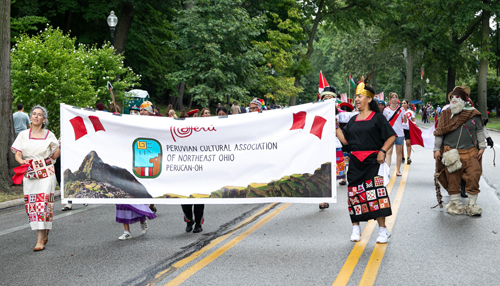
(39,182)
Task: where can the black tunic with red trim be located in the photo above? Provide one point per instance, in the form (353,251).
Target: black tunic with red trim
(367,196)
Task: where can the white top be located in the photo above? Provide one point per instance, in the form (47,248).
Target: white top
(344,117)
(410,115)
(398,125)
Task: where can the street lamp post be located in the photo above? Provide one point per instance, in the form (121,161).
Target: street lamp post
(112,21)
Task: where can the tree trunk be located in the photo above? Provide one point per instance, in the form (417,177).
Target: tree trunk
(483,66)
(178,100)
(409,74)
(124,23)
(293,99)
(450,82)
(67,21)
(5,98)
(310,46)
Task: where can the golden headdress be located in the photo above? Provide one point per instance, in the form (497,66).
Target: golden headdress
(360,89)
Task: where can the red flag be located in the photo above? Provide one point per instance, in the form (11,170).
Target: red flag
(423,138)
(422,73)
(322,82)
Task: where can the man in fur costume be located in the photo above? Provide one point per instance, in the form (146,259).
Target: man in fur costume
(459,145)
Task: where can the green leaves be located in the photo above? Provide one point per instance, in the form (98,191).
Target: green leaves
(48,69)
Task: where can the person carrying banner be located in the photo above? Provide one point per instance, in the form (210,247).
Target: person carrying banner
(459,145)
(409,115)
(329,92)
(368,136)
(256,105)
(36,150)
(147,110)
(395,114)
(198,209)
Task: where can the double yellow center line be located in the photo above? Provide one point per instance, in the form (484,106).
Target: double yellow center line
(345,273)
(378,252)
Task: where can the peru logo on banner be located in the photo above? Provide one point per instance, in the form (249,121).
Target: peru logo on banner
(282,155)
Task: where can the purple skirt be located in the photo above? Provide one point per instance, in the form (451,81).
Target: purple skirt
(130,214)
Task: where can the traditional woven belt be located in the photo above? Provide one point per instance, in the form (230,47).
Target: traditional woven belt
(40,169)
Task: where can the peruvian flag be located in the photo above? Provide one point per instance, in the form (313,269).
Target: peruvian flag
(343,97)
(322,84)
(423,138)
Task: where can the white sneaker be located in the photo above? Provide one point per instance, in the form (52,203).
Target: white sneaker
(144,227)
(383,235)
(126,235)
(356,233)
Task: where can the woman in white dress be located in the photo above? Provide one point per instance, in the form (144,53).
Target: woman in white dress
(38,148)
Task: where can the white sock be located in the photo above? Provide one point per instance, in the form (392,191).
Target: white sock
(472,199)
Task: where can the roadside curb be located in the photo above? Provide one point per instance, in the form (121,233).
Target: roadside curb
(19,202)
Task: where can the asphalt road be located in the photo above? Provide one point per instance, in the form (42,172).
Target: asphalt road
(268,244)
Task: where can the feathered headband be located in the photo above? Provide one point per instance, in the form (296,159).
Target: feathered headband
(360,89)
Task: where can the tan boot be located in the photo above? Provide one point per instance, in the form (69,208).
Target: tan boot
(455,207)
(471,208)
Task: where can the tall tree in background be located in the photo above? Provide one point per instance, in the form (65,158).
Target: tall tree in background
(483,63)
(219,59)
(5,97)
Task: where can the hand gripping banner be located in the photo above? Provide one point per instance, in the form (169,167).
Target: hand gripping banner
(283,155)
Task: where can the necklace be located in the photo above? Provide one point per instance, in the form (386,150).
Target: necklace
(35,132)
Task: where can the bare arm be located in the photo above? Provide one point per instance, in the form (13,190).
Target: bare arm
(19,158)
(56,154)
(340,136)
(388,144)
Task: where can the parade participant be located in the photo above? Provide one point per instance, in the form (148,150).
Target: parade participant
(459,146)
(221,111)
(343,117)
(172,113)
(205,112)
(129,214)
(198,209)
(394,114)
(21,120)
(381,105)
(368,136)
(167,112)
(192,113)
(147,110)
(329,93)
(135,110)
(36,149)
(409,115)
(255,105)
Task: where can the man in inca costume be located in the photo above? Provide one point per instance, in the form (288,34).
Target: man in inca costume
(459,145)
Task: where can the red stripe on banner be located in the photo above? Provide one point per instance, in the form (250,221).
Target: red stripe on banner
(299,120)
(415,134)
(143,171)
(78,127)
(97,123)
(317,127)
(150,173)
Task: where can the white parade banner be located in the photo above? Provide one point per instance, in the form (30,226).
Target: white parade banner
(282,155)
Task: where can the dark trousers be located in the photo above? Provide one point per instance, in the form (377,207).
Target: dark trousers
(198,213)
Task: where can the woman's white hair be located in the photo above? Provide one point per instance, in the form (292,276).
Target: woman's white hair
(44,112)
